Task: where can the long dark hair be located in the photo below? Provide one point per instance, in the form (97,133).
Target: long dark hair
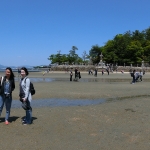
(11,73)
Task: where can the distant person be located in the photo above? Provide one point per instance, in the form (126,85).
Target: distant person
(95,73)
(7,85)
(71,74)
(44,73)
(76,72)
(107,71)
(25,96)
(19,72)
(133,76)
(137,76)
(122,71)
(49,69)
(91,72)
(140,75)
(79,74)
(102,71)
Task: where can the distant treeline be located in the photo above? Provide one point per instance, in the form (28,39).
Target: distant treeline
(123,49)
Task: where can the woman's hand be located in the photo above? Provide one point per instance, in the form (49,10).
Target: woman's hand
(24,99)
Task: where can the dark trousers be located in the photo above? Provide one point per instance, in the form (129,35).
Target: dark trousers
(133,81)
(70,78)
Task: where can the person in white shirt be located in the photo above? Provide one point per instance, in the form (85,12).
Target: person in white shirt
(25,96)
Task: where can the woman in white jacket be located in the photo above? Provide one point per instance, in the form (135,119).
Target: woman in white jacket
(25,96)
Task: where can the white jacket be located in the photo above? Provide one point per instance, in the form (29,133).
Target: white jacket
(25,84)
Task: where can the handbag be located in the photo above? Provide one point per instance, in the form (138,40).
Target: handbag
(25,105)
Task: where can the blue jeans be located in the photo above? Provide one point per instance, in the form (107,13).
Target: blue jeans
(133,81)
(7,101)
(28,117)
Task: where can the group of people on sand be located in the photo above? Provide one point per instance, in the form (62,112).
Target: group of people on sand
(7,86)
(137,76)
(93,72)
(77,75)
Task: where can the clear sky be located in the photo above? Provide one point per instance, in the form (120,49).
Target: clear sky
(32,30)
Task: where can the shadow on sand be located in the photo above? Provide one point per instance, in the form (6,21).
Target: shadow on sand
(11,119)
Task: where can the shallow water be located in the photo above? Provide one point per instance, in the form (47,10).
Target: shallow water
(81,80)
(38,79)
(58,103)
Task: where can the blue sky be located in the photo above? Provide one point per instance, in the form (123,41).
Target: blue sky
(32,30)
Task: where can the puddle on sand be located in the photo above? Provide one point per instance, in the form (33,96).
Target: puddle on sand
(80,80)
(105,80)
(59,102)
(38,79)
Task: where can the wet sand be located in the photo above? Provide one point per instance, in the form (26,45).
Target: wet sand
(120,123)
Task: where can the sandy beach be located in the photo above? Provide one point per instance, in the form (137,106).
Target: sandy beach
(119,123)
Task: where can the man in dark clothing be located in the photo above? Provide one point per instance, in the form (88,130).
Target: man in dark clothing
(76,72)
(133,76)
(107,71)
(95,73)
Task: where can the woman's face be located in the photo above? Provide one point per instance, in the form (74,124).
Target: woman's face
(23,73)
(7,73)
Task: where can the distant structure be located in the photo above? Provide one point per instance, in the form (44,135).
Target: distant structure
(101,64)
(142,64)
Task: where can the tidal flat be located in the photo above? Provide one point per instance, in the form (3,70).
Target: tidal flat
(119,121)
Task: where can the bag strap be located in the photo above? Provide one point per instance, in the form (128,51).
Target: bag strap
(25,80)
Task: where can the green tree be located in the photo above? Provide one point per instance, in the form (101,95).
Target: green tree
(94,53)
(109,52)
(64,58)
(130,47)
(85,56)
(147,34)
(72,55)
(54,58)
(146,55)
(72,52)
(135,52)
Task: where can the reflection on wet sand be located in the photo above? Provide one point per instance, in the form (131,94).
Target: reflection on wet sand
(45,79)
(59,102)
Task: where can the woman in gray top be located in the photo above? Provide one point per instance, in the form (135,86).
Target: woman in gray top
(7,85)
(25,96)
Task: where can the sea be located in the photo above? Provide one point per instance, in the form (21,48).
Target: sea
(16,69)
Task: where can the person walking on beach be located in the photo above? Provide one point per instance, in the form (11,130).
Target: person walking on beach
(107,71)
(79,74)
(95,73)
(91,71)
(133,76)
(102,71)
(76,72)
(71,74)
(25,96)
(7,85)
(140,75)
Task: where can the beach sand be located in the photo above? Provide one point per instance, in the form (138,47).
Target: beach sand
(120,123)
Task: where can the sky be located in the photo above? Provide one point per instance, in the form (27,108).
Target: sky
(32,30)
